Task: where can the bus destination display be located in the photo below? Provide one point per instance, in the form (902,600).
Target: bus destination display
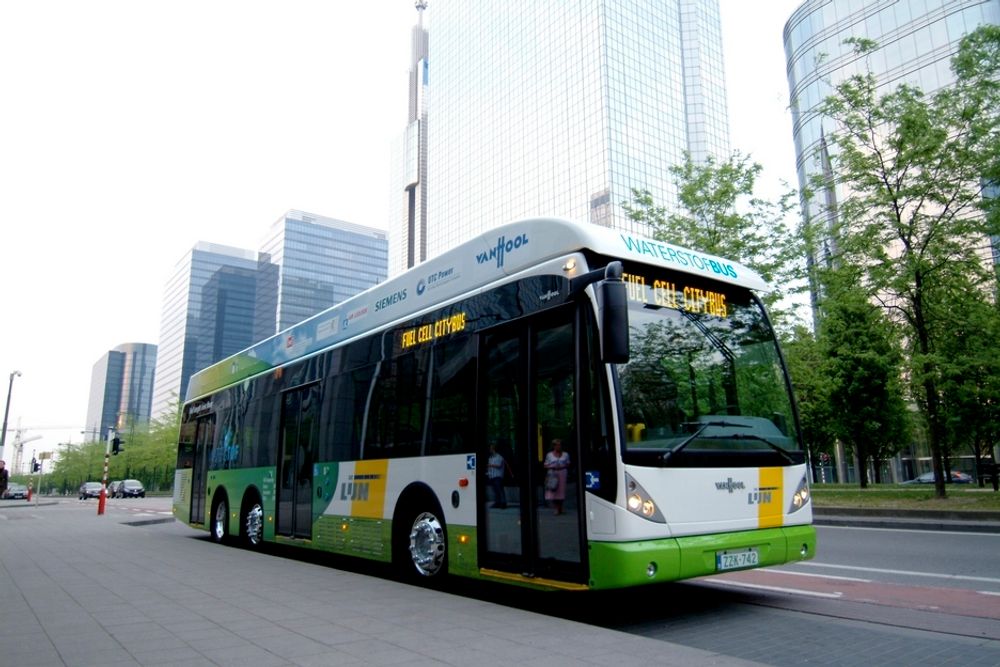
(426,333)
(668,294)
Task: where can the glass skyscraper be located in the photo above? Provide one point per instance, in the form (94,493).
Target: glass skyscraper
(221,300)
(197,316)
(121,389)
(559,108)
(315,262)
(916,41)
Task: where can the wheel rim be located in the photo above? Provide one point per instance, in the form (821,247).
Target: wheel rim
(219,524)
(427,544)
(255,524)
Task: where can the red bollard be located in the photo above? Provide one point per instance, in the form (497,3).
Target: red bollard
(29,492)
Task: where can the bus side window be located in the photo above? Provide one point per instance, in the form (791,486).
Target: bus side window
(395,420)
(453,394)
(347,394)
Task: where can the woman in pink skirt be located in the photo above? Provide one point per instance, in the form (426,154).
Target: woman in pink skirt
(556,465)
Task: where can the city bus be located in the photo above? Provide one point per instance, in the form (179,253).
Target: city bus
(369,429)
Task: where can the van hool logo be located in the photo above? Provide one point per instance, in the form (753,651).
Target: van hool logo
(503,246)
(729,485)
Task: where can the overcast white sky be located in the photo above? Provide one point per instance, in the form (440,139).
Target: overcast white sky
(129,131)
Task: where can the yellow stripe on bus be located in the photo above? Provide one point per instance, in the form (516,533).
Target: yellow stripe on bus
(368,493)
(770,503)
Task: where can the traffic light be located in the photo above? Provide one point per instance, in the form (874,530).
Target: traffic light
(116,445)
(35,465)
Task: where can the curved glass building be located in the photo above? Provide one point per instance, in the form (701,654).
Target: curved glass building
(916,41)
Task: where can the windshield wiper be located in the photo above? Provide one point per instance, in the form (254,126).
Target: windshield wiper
(688,440)
(776,447)
(787,455)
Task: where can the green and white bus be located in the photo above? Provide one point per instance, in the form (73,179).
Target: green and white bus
(367,429)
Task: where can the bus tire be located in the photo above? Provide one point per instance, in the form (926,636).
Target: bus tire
(219,526)
(252,521)
(420,543)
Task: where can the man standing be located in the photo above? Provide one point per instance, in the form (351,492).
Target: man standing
(4,476)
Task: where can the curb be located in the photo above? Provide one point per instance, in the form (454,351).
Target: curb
(935,520)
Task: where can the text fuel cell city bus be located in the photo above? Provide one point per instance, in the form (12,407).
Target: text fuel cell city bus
(368,429)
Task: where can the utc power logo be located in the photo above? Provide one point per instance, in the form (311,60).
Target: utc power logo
(502,248)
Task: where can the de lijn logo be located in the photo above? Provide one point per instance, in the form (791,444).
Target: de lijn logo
(503,246)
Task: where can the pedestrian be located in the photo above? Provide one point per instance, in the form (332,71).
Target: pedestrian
(495,468)
(4,477)
(556,465)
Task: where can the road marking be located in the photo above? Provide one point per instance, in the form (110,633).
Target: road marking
(907,573)
(776,589)
(820,576)
(919,531)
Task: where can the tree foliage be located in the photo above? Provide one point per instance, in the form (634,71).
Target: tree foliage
(863,366)
(914,219)
(149,455)
(806,361)
(720,213)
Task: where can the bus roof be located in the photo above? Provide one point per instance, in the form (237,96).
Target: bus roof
(502,251)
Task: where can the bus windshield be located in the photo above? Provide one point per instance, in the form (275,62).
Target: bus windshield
(704,385)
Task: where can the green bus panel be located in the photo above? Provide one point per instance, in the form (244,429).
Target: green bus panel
(621,564)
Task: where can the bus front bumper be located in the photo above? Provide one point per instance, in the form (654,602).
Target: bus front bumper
(623,564)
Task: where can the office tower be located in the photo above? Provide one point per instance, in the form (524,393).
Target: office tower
(409,162)
(916,41)
(204,278)
(308,263)
(559,108)
(121,389)
(221,300)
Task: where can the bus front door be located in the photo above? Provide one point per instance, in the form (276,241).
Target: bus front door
(299,440)
(527,527)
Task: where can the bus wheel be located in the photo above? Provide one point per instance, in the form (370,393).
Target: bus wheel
(427,545)
(220,520)
(253,523)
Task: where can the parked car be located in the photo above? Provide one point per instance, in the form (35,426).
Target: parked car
(131,488)
(928,478)
(16,491)
(90,490)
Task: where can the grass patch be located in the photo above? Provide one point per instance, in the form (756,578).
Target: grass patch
(897,496)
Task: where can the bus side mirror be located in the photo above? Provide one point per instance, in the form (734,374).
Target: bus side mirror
(613,312)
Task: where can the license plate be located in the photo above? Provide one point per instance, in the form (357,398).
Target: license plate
(734,560)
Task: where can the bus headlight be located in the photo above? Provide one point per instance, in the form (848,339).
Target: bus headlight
(639,502)
(800,497)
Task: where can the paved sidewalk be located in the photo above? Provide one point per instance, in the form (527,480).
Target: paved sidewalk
(79,589)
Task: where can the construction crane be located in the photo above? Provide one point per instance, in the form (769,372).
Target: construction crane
(20,440)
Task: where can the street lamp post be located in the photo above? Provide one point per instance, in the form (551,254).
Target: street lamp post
(6,412)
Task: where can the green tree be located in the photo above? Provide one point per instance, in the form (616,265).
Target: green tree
(806,361)
(863,366)
(970,380)
(914,218)
(720,213)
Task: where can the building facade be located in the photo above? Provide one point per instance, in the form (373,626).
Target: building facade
(409,162)
(916,41)
(194,291)
(557,108)
(121,389)
(220,300)
(309,262)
